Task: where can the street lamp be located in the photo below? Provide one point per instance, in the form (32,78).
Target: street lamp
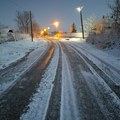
(56,24)
(79,9)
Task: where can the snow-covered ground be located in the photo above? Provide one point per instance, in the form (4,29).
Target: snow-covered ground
(94,82)
(12,51)
(103,58)
(68,98)
(38,107)
(111,56)
(40,101)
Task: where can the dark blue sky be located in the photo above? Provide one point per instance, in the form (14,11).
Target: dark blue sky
(46,11)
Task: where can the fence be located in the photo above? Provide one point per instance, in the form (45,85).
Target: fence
(5,37)
(75,35)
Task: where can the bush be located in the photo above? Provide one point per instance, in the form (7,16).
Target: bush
(104,40)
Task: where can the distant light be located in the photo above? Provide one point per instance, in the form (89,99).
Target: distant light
(79,8)
(42,32)
(56,24)
(48,28)
(45,29)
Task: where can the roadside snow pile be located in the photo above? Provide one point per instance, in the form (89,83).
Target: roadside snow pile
(10,52)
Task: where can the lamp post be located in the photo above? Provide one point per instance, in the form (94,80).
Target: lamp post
(79,9)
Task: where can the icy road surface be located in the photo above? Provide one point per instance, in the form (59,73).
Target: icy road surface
(70,82)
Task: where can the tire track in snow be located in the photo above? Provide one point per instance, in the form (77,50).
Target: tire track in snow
(10,75)
(86,102)
(69,109)
(53,111)
(107,100)
(113,85)
(111,66)
(16,98)
(40,101)
(108,69)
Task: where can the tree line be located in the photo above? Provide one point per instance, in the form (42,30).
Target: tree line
(105,32)
(22,20)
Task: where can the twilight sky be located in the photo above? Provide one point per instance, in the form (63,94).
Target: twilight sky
(45,12)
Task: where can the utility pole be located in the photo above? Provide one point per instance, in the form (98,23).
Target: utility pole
(82,24)
(31,26)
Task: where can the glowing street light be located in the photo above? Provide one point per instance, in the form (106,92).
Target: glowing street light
(45,29)
(79,9)
(56,24)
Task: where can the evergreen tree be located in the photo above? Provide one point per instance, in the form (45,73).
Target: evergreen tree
(73,28)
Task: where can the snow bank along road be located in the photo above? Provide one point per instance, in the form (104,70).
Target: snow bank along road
(66,83)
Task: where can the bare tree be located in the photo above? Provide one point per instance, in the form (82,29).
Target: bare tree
(89,24)
(115,15)
(23,20)
(36,29)
(115,10)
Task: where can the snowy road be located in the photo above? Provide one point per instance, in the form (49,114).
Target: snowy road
(68,83)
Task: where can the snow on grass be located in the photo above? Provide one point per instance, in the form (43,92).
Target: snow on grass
(12,51)
(40,101)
